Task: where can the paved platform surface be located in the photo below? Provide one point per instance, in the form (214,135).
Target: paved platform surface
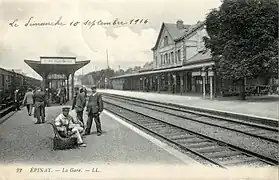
(22,141)
(266,107)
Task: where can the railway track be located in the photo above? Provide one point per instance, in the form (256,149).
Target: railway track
(216,152)
(264,132)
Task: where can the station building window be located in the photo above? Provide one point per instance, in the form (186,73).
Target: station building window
(166,41)
(172,58)
(178,56)
(169,56)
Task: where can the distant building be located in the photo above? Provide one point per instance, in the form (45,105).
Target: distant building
(182,64)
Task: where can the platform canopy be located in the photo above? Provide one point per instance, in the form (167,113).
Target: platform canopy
(56,65)
(57,68)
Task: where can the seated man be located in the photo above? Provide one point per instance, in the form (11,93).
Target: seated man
(77,123)
(67,126)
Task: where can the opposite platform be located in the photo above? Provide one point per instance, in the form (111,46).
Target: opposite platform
(265,109)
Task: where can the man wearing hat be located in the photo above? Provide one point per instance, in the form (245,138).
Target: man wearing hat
(94,109)
(67,126)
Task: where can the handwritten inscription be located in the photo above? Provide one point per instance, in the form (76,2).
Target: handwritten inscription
(33,22)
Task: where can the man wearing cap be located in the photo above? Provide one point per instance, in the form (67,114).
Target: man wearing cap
(94,109)
(67,126)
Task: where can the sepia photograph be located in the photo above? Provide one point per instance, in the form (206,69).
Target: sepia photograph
(138,89)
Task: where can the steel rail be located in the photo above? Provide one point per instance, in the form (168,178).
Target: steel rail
(208,123)
(262,158)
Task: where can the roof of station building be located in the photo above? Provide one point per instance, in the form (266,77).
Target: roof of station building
(53,68)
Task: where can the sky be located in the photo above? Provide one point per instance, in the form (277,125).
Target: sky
(127,45)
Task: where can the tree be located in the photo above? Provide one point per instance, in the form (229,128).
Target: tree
(243,39)
(137,68)
(129,70)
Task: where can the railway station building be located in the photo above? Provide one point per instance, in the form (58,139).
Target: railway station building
(57,71)
(182,64)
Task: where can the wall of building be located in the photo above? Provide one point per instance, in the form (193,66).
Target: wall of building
(194,43)
(166,55)
(117,84)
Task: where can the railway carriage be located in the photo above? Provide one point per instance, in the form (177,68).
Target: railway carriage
(10,80)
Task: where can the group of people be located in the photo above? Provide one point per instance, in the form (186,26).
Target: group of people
(71,122)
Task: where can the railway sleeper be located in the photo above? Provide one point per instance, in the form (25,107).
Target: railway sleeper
(195,141)
(231,158)
(150,124)
(168,131)
(237,162)
(185,140)
(155,128)
(180,137)
(225,153)
(210,149)
(199,145)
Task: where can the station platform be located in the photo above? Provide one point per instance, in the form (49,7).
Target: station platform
(267,107)
(22,141)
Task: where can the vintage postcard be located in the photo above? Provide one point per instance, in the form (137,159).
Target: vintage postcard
(139,89)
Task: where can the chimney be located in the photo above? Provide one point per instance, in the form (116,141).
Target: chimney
(179,24)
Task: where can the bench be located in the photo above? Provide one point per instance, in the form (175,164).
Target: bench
(60,143)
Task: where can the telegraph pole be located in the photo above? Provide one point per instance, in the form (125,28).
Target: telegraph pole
(106,78)
(107,59)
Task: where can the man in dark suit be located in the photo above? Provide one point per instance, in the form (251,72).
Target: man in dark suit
(94,109)
(80,104)
(40,103)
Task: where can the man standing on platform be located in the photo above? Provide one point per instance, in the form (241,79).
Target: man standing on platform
(29,101)
(80,104)
(94,109)
(40,102)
